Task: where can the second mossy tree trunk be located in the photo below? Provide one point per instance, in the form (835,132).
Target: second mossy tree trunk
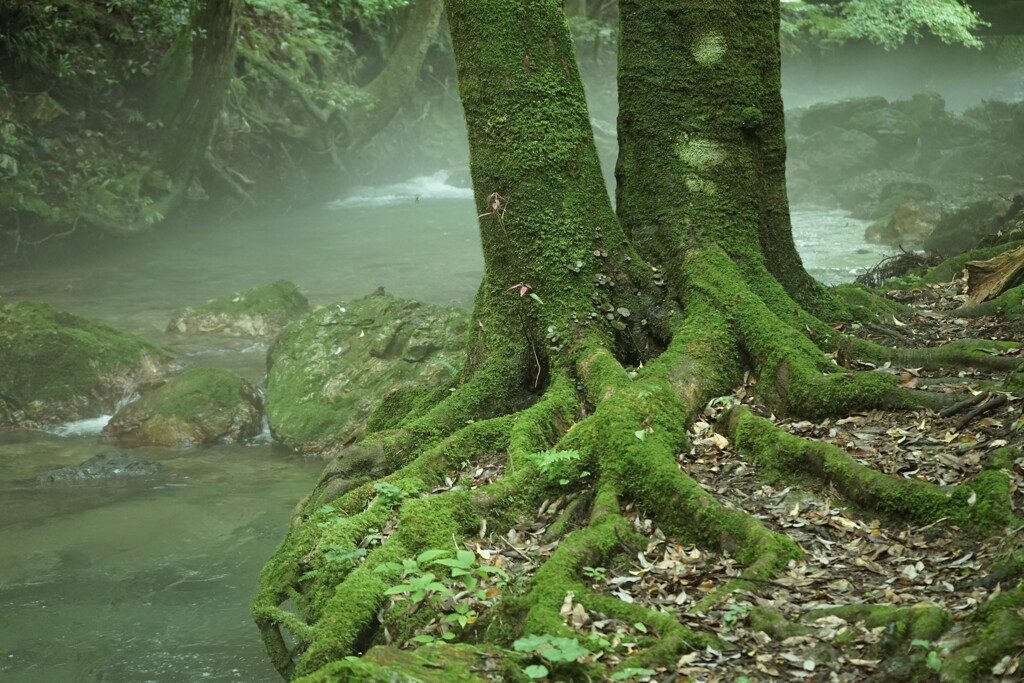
(214,31)
(596,339)
(702,147)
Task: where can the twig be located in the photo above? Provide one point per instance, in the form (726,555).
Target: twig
(990,405)
(965,404)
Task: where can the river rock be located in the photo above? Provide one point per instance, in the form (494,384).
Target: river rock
(101,467)
(58,367)
(908,227)
(258,312)
(327,371)
(199,406)
(825,115)
(962,229)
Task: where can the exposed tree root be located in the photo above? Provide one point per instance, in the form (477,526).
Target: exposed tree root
(982,506)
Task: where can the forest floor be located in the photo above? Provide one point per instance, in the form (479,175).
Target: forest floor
(849,559)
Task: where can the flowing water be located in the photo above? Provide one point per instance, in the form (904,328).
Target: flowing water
(152,580)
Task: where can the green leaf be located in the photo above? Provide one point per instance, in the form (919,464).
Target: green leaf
(449,635)
(933,661)
(536,671)
(639,626)
(640,434)
(536,298)
(431,555)
(530,643)
(426,639)
(401,588)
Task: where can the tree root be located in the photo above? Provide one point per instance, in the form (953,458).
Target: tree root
(997,629)
(982,506)
(966,353)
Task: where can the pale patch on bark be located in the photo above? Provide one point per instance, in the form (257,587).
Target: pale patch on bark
(710,49)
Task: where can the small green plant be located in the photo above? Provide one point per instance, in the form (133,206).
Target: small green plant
(546,461)
(733,615)
(595,574)
(933,660)
(344,556)
(464,567)
(372,538)
(455,597)
(552,649)
(389,494)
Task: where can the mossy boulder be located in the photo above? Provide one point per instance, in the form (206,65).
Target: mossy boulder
(258,312)
(328,371)
(57,366)
(199,406)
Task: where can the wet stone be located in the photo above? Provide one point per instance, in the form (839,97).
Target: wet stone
(106,466)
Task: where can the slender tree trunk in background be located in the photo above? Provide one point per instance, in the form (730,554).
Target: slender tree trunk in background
(386,93)
(214,26)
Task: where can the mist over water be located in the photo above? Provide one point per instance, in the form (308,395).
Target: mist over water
(963,76)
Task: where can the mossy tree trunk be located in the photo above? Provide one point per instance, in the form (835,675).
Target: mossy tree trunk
(598,335)
(214,32)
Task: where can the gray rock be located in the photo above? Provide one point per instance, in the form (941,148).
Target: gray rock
(106,466)
(199,406)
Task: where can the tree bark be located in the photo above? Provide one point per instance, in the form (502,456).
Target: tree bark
(388,90)
(702,149)
(214,27)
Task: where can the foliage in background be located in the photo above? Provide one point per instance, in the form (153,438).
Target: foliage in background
(887,23)
(86,85)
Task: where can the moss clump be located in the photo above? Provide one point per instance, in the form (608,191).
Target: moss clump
(58,366)
(868,307)
(199,406)
(434,663)
(258,312)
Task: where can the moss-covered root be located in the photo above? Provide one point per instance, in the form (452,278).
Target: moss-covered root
(345,618)
(998,633)
(561,576)
(433,663)
(981,505)
(796,376)
(966,353)
(634,434)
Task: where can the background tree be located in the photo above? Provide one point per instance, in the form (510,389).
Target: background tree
(596,339)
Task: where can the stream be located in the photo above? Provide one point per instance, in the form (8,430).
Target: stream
(152,580)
